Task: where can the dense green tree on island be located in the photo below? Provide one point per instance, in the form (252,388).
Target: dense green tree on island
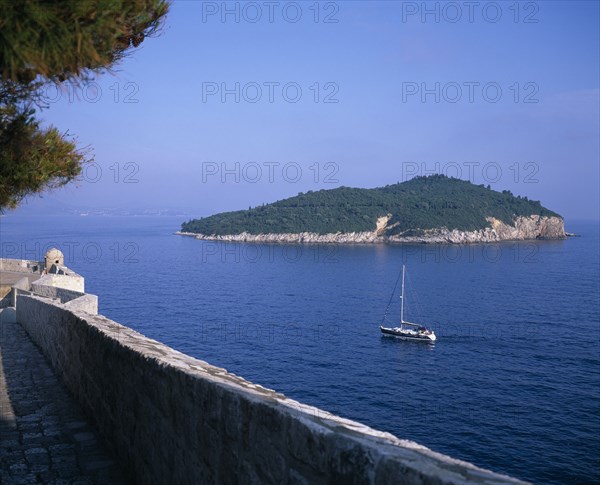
(52,42)
(420,203)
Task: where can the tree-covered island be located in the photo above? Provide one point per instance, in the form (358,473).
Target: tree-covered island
(411,207)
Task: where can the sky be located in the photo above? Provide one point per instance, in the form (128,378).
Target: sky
(237,104)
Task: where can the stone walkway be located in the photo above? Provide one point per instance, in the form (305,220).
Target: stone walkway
(44,437)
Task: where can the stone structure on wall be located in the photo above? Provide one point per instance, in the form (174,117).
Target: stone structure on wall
(49,278)
(54,257)
(172,418)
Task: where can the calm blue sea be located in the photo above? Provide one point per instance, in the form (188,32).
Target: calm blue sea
(513,383)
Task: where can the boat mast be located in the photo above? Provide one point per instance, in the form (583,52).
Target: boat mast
(402,298)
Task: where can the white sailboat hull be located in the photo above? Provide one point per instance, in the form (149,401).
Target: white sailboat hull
(404,334)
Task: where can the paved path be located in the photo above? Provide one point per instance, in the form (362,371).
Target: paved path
(44,437)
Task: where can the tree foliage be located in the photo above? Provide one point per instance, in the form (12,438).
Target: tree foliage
(421,203)
(54,41)
(31,158)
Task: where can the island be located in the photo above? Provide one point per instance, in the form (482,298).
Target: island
(428,209)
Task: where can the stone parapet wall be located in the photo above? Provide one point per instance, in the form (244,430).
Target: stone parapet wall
(175,419)
(86,303)
(67,282)
(21,265)
(65,295)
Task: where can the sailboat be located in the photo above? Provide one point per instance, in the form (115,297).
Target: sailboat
(407,330)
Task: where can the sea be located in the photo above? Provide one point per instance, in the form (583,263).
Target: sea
(512,383)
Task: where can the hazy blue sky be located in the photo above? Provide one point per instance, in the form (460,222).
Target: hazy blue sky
(542,130)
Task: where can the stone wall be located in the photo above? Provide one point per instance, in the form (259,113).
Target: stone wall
(87,303)
(68,282)
(21,265)
(175,419)
(43,287)
(16,293)
(7,290)
(9,298)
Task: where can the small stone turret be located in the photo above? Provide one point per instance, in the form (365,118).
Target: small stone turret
(54,256)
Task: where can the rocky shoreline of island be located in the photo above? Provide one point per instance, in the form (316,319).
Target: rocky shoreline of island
(523,228)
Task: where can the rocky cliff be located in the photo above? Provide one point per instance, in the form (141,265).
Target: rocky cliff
(523,228)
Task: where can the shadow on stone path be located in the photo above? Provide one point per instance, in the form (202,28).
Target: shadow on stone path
(44,437)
